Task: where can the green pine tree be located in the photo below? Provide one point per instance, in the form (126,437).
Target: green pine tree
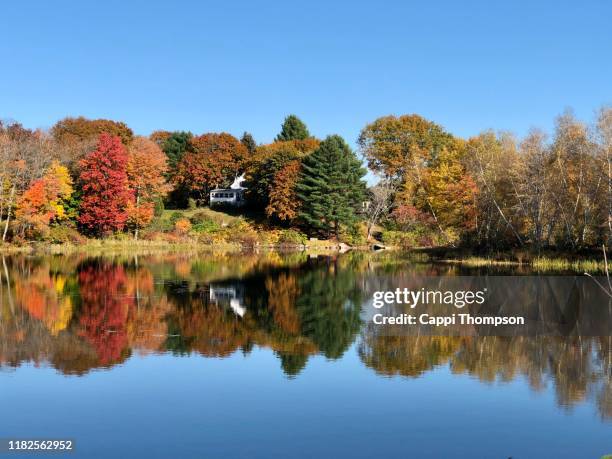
(175,146)
(331,187)
(293,129)
(249,142)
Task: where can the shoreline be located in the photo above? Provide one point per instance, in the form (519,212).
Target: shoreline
(104,246)
(545,261)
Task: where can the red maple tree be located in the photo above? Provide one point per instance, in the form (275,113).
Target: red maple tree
(106,194)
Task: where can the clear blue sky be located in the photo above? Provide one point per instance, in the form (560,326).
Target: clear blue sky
(234,66)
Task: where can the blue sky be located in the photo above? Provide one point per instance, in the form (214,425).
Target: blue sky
(234,66)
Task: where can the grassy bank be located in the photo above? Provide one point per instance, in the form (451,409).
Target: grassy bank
(590,261)
(539,264)
(185,230)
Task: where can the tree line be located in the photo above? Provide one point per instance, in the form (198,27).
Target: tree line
(434,188)
(492,190)
(98,177)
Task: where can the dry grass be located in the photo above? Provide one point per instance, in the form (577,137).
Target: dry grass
(476,262)
(538,264)
(563,264)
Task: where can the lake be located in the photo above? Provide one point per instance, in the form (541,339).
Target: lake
(276,355)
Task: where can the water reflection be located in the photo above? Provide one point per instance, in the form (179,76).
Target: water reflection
(78,314)
(579,369)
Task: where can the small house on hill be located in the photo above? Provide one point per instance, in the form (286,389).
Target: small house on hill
(232,196)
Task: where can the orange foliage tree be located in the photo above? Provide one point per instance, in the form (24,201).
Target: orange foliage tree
(283,201)
(44,202)
(146,168)
(215,161)
(73,130)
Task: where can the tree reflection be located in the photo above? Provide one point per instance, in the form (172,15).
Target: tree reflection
(578,368)
(105,308)
(77,314)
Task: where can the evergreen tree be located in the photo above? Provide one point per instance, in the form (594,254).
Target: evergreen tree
(249,142)
(331,187)
(293,129)
(175,147)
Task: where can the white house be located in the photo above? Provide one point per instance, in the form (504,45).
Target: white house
(232,196)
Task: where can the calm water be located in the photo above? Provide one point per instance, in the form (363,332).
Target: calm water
(274,356)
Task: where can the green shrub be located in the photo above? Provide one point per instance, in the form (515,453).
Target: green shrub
(420,236)
(123,236)
(399,238)
(159,225)
(192,204)
(175,216)
(200,217)
(354,235)
(158,210)
(239,232)
(207,226)
(292,237)
(207,238)
(64,234)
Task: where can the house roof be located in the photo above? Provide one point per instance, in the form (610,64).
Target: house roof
(228,190)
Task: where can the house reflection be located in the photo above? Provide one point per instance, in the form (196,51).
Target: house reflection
(231,296)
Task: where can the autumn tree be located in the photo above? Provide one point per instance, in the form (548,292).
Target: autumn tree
(73,130)
(77,137)
(33,214)
(269,160)
(216,160)
(104,181)
(492,160)
(330,187)
(449,192)
(283,201)
(293,128)
(44,202)
(146,169)
(159,137)
(604,135)
(578,187)
(535,188)
(401,149)
(24,155)
(60,187)
(264,165)
(380,201)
